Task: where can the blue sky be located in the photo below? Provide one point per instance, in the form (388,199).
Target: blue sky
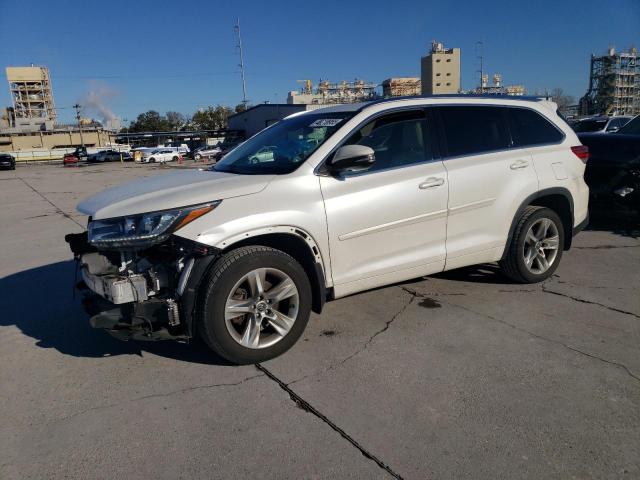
(162,55)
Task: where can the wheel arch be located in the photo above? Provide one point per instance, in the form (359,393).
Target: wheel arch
(295,242)
(559,200)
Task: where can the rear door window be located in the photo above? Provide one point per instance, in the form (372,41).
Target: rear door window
(529,128)
(470,130)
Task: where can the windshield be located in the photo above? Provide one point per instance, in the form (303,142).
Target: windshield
(283,147)
(631,128)
(585,126)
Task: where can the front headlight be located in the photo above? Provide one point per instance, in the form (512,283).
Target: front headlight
(144,230)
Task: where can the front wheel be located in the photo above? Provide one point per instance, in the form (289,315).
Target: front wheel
(255,304)
(536,246)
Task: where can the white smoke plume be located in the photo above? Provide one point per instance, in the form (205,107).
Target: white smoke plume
(94,103)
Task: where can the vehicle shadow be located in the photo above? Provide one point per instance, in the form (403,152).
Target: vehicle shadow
(40,302)
(625,224)
(485,273)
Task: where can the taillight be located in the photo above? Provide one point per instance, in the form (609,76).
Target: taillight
(582,152)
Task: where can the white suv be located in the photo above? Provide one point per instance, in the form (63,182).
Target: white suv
(161,155)
(350,198)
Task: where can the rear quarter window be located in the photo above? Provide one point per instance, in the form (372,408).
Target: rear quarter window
(473,130)
(530,128)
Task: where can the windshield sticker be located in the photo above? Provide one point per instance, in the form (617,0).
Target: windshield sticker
(326,122)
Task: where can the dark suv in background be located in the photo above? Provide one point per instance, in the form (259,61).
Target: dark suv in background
(7,162)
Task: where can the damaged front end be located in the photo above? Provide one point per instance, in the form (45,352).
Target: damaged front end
(139,286)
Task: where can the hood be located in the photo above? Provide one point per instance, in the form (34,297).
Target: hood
(175,189)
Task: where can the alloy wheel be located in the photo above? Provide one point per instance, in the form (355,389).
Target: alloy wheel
(541,246)
(261,308)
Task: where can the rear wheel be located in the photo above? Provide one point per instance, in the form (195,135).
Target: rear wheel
(536,246)
(174,159)
(256,303)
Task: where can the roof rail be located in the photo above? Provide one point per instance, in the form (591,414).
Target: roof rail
(456,95)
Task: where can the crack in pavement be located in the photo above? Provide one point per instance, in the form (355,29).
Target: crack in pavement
(307,407)
(551,340)
(387,324)
(360,350)
(58,209)
(606,247)
(582,300)
(158,395)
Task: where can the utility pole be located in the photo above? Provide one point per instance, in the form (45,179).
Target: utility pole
(239,46)
(77,109)
(480,52)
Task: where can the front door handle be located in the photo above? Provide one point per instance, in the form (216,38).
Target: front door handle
(431,182)
(519,164)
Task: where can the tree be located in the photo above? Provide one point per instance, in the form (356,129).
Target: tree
(211,118)
(241,107)
(150,121)
(175,120)
(563,101)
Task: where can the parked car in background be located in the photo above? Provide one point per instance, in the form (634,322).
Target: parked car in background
(160,155)
(70,159)
(7,162)
(387,191)
(613,170)
(601,124)
(110,156)
(206,152)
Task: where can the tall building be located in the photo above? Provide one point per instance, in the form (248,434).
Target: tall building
(614,84)
(441,70)
(30,89)
(401,87)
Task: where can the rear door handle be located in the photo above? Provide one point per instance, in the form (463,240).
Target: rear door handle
(431,182)
(519,164)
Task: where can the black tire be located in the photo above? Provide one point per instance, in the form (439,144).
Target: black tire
(174,159)
(152,160)
(513,265)
(216,287)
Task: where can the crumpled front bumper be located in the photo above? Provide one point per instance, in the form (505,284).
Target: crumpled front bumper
(148,320)
(124,305)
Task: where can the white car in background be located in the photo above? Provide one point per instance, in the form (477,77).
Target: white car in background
(161,155)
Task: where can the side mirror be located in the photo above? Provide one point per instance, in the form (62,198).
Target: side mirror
(613,129)
(356,158)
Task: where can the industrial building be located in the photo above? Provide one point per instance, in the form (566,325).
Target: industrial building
(614,84)
(32,97)
(440,70)
(333,93)
(496,87)
(401,87)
